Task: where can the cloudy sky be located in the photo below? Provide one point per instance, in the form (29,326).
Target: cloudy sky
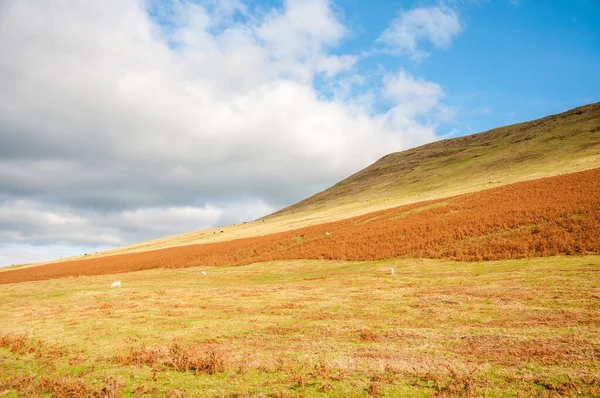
(127,120)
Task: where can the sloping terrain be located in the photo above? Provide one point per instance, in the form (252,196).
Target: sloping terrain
(555,144)
(548,216)
(286,325)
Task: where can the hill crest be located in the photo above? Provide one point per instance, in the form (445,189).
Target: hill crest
(561,143)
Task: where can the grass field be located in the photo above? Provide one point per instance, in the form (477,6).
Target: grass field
(527,327)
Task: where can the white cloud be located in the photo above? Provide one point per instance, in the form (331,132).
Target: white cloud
(415,99)
(436,25)
(413,96)
(119,126)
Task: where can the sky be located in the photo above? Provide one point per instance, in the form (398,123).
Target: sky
(128,120)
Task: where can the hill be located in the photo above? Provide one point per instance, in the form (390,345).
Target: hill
(296,321)
(561,143)
(548,216)
(557,144)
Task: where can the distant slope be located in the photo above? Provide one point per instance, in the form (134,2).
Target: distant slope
(544,217)
(560,143)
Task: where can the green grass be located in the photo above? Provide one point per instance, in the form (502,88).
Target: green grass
(314,328)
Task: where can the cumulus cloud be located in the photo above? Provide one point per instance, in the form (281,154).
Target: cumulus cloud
(413,96)
(436,26)
(126,121)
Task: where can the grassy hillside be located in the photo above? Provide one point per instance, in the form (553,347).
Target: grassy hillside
(309,328)
(557,144)
(560,143)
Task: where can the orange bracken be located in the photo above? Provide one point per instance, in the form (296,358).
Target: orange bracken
(549,216)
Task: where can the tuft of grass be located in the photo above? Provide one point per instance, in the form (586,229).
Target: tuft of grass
(179,356)
(18,343)
(21,383)
(63,387)
(144,356)
(112,387)
(197,359)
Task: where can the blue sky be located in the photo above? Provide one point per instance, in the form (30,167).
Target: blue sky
(512,62)
(124,121)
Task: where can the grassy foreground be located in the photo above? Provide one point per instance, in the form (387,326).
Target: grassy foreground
(309,328)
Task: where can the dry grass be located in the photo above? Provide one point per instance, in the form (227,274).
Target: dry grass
(179,356)
(435,328)
(59,387)
(18,344)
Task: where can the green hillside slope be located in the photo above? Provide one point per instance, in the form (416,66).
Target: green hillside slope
(560,143)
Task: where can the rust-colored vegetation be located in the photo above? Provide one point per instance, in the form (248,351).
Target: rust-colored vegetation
(56,385)
(18,344)
(549,216)
(181,357)
(59,387)
(22,344)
